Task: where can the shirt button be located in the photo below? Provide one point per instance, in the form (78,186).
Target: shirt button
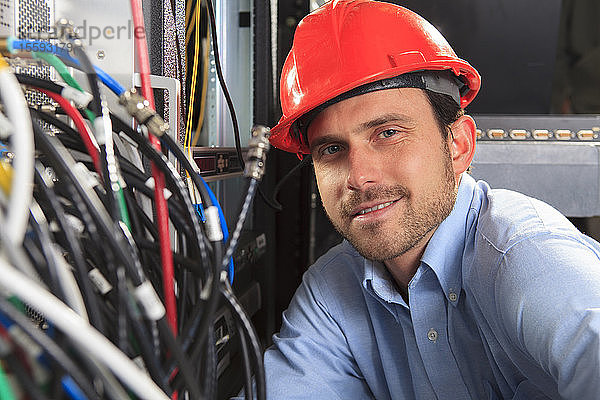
(452,296)
(432,335)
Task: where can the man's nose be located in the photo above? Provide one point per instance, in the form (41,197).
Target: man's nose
(364,169)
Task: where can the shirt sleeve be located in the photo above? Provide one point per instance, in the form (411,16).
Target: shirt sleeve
(310,357)
(547,295)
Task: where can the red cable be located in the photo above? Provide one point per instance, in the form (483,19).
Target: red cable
(82,127)
(162,212)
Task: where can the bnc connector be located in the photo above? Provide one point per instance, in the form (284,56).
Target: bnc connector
(258,147)
(139,108)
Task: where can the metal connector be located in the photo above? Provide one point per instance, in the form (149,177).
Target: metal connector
(257,152)
(139,108)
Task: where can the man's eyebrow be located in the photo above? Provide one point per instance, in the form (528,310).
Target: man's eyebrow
(321,140)
(383,119)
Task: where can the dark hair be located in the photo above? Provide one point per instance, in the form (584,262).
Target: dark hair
(445,109)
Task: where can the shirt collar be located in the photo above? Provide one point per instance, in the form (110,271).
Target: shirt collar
(444,251)
(379,280)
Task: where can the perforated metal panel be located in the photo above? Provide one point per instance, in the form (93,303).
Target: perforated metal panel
(22,18)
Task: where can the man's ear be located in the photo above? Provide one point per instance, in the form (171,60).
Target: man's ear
(462,143)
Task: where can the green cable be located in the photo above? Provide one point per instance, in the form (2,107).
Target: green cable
(123,208)
(6,391)
(64,73)
(15,301)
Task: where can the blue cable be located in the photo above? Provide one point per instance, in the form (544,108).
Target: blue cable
(214,200)
(62,52)
(72,389)
(108,80)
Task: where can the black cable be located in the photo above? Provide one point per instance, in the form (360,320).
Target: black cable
(172,177)
(305,160)
(246,362)
(273,203)
(242,318)
(64,164)
(40,227)
(236,129)
(139,331)
(231,246)
(211,301)
(42,181)
(185,368)
(33,81)
(90,72)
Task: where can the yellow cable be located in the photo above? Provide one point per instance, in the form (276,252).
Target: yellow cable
(5,177)
(204,91)
(188,125)
(3,63)
(188,10)
(188,31)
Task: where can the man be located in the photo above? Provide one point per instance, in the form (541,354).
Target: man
(443,287)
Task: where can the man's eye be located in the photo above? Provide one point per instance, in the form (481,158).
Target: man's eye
(331,149)
(387,133)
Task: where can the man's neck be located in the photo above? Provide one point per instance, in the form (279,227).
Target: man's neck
(404,267)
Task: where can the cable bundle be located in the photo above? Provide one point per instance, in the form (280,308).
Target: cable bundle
(82,266)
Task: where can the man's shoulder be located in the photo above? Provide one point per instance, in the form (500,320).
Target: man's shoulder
(507,217)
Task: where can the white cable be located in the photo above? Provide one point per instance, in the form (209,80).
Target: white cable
(82,333)
(22,146)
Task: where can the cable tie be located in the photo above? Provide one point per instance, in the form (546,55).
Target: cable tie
(102,284)
(151,184)
(149,301)
(75,223)
(213,225)
(80,98)
(99,131)
(84,176)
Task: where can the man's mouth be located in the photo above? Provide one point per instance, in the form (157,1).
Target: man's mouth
(376,207)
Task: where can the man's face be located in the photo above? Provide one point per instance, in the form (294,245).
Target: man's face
(384,172)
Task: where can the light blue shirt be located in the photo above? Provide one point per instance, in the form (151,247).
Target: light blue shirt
(505,304)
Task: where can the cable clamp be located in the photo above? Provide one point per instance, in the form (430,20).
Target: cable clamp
(84,176)
(149,301)
(213,224)
(101,283)
(150,184)
(81,99)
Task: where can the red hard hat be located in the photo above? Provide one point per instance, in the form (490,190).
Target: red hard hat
(349,43)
